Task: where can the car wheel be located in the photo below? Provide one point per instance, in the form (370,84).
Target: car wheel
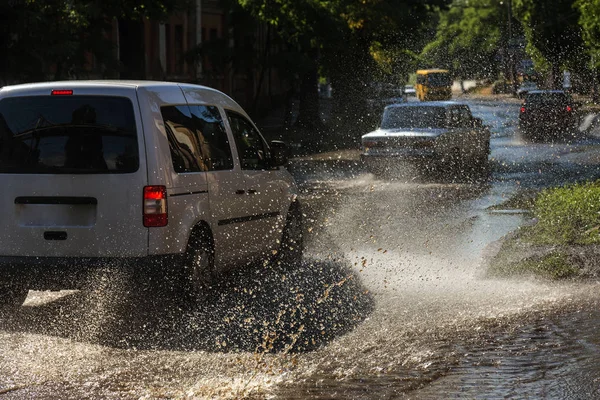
(292,241)
(12,296)
(198,269)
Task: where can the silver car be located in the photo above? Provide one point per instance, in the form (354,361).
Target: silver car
(438,134)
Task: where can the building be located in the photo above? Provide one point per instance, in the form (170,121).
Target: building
(225,49)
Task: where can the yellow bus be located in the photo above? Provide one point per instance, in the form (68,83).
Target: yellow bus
(434,84)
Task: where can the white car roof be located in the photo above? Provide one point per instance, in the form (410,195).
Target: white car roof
(73,84)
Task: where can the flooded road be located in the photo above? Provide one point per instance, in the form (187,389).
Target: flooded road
(392,301)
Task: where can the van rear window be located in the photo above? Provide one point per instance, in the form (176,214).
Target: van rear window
(68,135)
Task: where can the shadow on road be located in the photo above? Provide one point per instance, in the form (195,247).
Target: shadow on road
(263,309)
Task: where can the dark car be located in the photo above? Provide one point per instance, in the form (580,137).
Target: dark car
(547,114)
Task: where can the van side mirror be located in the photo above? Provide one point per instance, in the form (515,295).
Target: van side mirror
(279,153)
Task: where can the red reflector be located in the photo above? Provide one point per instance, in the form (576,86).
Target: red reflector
(569,109)
(62,92)
(522,109)
(157,220)
(155,206)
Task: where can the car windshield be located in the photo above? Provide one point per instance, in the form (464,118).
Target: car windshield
(438,79)
(414,117)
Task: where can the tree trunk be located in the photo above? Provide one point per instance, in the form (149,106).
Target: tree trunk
(556,76)
(595,94)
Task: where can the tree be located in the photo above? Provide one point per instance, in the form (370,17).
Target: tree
(590,31)
(553,32)
(349,41)
(471,36)
(51,39)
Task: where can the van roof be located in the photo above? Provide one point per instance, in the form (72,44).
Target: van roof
(104,83)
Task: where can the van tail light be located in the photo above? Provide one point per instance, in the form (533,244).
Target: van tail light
(569,108)
(523,109)
(155,206)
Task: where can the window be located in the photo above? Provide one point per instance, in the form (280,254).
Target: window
(197,138)
(68,135)
(414,117)
(251,147)
(439,80)
(214,144)
(183,143)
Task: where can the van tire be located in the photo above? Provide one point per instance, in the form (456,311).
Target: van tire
(12,296)
(198,267)
(292,239)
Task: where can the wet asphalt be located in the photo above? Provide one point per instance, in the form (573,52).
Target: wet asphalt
(391,301)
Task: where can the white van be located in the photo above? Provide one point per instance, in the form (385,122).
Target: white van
(94,172)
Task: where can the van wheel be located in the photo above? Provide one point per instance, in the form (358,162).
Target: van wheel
(198,267)
(292,241)
(12,296)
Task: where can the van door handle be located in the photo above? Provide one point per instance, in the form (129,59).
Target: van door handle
(240,191)
(252,191)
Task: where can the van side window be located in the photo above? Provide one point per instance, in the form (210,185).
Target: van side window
(251,147)
(212,137)
(183,143)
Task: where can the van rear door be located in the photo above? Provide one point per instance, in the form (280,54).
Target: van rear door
(72,173)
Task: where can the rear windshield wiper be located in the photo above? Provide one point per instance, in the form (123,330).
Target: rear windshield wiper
(107,130)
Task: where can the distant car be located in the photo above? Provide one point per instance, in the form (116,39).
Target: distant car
(547,114)
(439,134)
(410,91)
(526,87)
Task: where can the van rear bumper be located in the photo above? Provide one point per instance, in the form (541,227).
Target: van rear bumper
(57,273)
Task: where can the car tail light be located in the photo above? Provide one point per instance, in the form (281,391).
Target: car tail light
(64,92)
(155,206)
(523,109)
(569,108)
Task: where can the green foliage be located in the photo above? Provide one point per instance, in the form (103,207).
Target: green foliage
(352,43)
(567,215)
(590,26)
(469,37)
(553,32)
(555,266)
